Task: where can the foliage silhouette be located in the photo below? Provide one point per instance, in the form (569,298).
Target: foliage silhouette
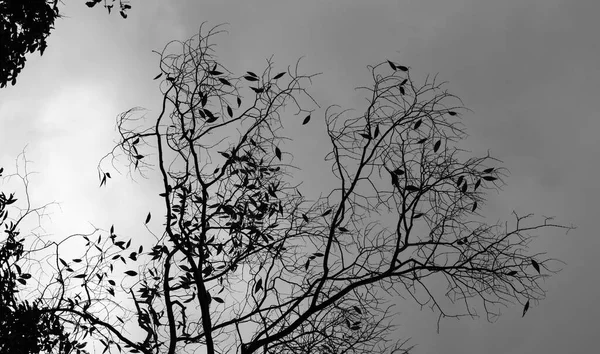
(245,263)
(25,27)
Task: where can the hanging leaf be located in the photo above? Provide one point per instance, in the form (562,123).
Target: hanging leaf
(464,187)
(239,102)
(215,72)
(525,308)
(417,215)
(402,90)
(80,276)
(422,141)
(112,229)
(230,111)
(459,180)
(392,65)
(418,124)
(327,212)
(452,113)
(403,82)
(258,285)
(512,273)
(204,100)
(306,120)
(90,3)
(318,254)
(278,153)
(343,229)
(278,76)
(376,131)
(250,78)
(77,260)
(148,218)
(535,265)
(490,178)
(305,217)
(357,309)
(488,170)
(306,265)
(157,76)
(366,136)
(403,68)
(474,207)
(437,146)
(224,81)
(251,73)
(399,171)
(218,299)
(477,184)
(131,273)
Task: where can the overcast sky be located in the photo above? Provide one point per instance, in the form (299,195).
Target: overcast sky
(528,69)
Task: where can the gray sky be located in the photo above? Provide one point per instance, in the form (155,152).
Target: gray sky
(528,70)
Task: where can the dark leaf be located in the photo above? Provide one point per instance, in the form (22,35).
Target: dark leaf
(459,181)
(477,184)
(157,76)
(111,282)
(258,285)
(366,136)
(77,260)
(488,170)
(131,273)
(437,145)
(402,90)
(251,73)
(525,308)
(357,309)
(464,187)
(412,188)
(474,207)
(318,254)
(218,299)
(215,72)
(422,141)
(306,265)
(90,3)
(25,275)
(278,153)
(212,119)
(376,131)
(489,178)
(392,65)
(403,68)
(343,229)
(224,81)
(123,14)
(278,76)
(305,217)
(418,124)
(399,172)
(417,215)
(22,281)
(535,265)
(203,103)
(63,262)
(112,229)
(403,82)
(306,120)
(80,276)
(452,113)
(327,212)
(148,217)
(512,273)
(251,78)
(239,102)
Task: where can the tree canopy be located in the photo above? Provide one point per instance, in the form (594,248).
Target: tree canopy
(245,262)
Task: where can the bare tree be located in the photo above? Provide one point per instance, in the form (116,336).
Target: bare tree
(245,263)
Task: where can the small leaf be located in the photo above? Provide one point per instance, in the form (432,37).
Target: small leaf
(306,265)
(278,153)
(512,273)
(327,212)
(111,282)
(464,187)
(403,68)
(318,254)
(403,82)
(26,276)
(402,90)
(392,65)
(376,131)
(452,113)
(80,276)
(148,217)
(422,141)
(157,76)
(357,309)
(112,229)
(418,124)
(218,299)
(535,265)
(437,145)
(474,207)
(278,76)
(230,111)
(224,81)
(215,72)
(306,120)
(477,184)
(123,14)
(305,217)
(258,285)
(417,215)
(399,171)
(489,178)
(90,3)
(366,136)
(459,181)
(131,273)
(525,308)
(250,78)
(77,260)
(412,188)
(251,73)
(343,229)
(239,102)
(488,170)
(22,281)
